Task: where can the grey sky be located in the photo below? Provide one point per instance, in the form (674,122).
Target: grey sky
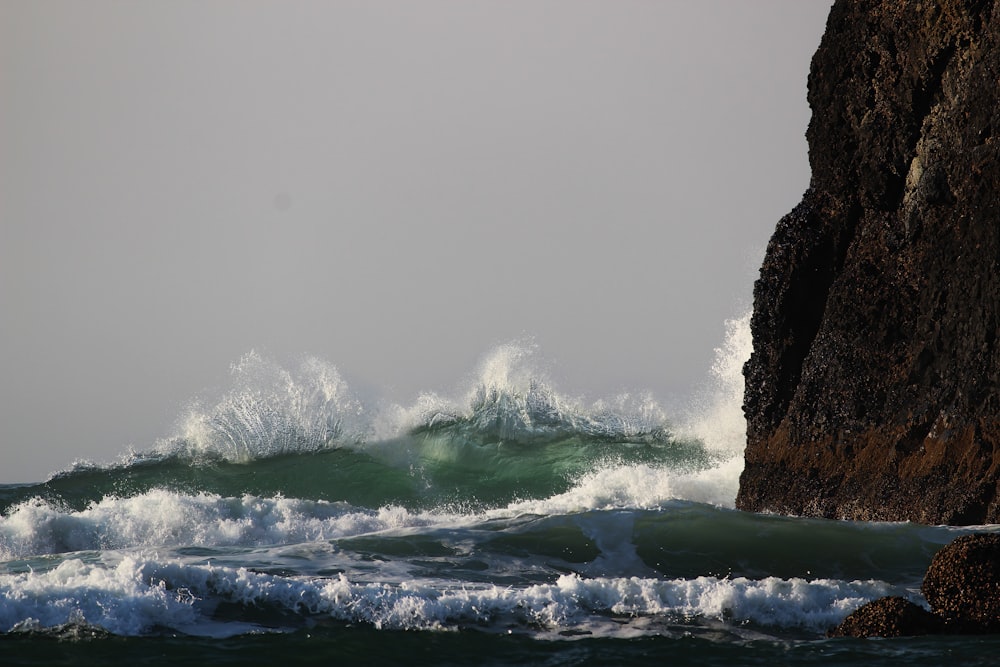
(395,187)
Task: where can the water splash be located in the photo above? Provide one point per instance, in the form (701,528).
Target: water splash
(514,399)
(271,411)
(717,419)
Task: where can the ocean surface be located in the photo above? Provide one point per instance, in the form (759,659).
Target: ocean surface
(287,521)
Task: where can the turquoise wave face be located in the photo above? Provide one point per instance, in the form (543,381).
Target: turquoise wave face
(578,504)
(453,464)
(303,433)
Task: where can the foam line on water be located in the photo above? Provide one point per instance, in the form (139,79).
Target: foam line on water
(161,517)
(167,518)
(135,595)
(639,487)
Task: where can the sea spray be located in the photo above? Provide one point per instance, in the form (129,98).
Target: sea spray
(270,410)
(717,418)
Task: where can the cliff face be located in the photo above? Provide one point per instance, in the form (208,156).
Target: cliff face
(873,391)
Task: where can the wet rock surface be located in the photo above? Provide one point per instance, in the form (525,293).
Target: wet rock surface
(889,617)
(962,587)
(873,391)
(962,583)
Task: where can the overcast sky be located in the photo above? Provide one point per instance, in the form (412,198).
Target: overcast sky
(395,187)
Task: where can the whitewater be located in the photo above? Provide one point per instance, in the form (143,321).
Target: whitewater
(288,519)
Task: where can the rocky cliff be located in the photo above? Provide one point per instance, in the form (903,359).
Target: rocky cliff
(873,391)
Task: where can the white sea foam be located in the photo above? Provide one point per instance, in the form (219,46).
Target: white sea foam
(161,518)
(119,599)
(134,595)
(636,487)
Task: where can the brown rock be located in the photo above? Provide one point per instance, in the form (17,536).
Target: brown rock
(889,617)
(962,586)
(873,391)
(962,583)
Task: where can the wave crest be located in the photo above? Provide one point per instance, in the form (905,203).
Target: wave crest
(271,411)
(136,595)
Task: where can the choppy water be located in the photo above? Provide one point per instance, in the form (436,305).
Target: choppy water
(289,521)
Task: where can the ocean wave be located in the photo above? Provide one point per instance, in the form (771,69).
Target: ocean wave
(271,410)
(636,516)
(508,434)
(162,517)
(137,596)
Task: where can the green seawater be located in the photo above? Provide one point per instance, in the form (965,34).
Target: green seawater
(517,532)
(367,646)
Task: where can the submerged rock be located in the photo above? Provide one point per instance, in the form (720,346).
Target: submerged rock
(962,587)
(873,391)
(889,617)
